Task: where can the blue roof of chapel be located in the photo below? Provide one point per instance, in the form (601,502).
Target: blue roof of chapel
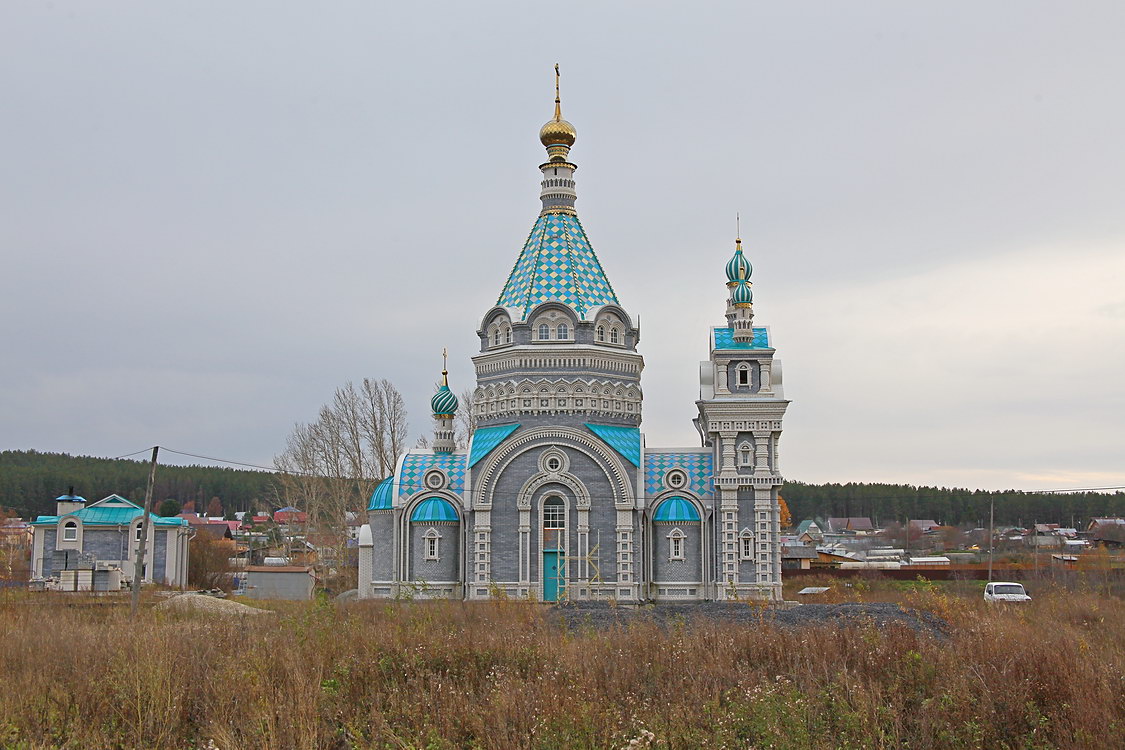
(723,338)
(485,440)
(624,440)
(110,511)
(676,510)
(381,497)
(434,510)
(557,264)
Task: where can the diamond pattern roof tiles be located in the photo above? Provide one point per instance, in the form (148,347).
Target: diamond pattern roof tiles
(415,465)
(557,264)
(698,466)
(724,339)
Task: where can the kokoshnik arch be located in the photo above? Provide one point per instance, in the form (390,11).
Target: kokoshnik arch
(557,495)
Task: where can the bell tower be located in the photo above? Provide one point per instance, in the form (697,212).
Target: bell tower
(741,406)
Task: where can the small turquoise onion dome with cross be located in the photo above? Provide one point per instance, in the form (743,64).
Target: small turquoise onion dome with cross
(742,294)
(444,403)
(738,268)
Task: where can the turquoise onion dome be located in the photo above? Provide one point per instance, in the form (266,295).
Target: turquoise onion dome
(444,403)
(738,268)
(742,294)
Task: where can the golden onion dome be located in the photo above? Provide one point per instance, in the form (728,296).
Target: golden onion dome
(557,132)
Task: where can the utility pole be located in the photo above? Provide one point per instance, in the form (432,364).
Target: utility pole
(139,563)
(991,538)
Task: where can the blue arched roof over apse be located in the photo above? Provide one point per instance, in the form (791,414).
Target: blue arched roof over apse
(676,510)
(434,510)
(381,497)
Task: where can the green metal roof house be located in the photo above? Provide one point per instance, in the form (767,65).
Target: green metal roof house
(105,535)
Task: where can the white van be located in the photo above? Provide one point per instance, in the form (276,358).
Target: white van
(1005,591)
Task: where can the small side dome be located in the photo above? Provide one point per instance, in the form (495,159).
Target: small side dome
(676,510)
(738,268)
(444,403)
(381,497)
(742,294)
(434,510)
(557,132)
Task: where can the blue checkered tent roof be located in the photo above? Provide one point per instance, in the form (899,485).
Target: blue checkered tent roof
(624,440)
(485,439)
(698,465)
(557,264)
(434,510)
(415,466)
(723,338)
(381,497)
(676,510)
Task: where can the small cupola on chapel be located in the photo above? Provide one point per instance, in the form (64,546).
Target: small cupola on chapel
(444,405)
(740,306)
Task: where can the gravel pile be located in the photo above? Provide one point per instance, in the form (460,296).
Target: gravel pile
(603,615)
(192,603)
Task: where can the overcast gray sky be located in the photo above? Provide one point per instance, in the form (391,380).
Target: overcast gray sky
(212,214)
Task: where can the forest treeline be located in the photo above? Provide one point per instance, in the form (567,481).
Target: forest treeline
(30,481)
(884,503)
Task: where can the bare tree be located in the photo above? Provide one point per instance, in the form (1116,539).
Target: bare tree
(465,423)
(332,465)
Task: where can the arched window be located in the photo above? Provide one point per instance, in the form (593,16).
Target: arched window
(746,545)
(614,336)
(563,331)
(432,541)
(544,331)
(601,333)
(554,523)
(745,455)
(137,533)
(70,531)
(507,335)
(554,513)
(744,374)
(496,337)
(676,545)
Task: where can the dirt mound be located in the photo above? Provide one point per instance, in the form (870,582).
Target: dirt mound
(192,603)
(602,615)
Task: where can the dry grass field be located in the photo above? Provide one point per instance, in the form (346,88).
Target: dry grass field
(78,673)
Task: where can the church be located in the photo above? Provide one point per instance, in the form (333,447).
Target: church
(557,495)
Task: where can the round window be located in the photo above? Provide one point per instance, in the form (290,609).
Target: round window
(675,479)
(553,463)
(434,480)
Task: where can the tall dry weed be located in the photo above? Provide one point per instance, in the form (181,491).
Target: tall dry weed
(79,673)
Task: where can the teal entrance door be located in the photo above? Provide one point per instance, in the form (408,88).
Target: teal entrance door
(553,581)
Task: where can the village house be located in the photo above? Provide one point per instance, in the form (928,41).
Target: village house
(81,540)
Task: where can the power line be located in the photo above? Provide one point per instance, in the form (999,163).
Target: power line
(142,450)
(272,469)
(470,492)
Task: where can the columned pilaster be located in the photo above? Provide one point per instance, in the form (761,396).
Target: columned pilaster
(721,382)
(761,452)
(764,374)
(583,543)
(625,548)
(482,555)
(525,547)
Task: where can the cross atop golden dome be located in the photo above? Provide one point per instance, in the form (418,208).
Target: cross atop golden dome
(557,135)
